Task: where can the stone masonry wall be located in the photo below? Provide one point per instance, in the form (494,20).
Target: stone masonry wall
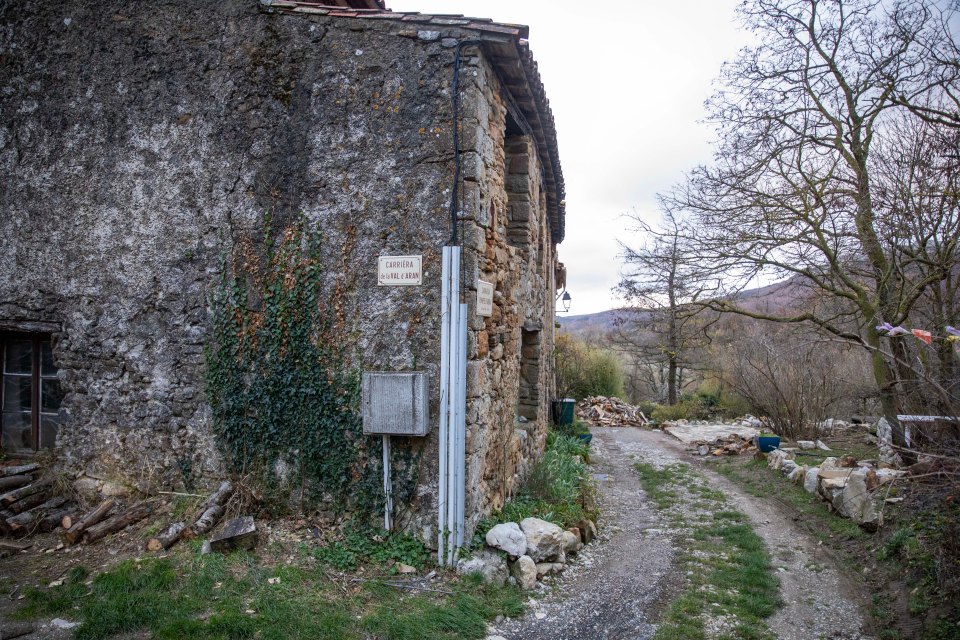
(141,140)
(506,242)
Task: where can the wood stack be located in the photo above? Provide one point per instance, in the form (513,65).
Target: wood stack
(610,412)
(27,506)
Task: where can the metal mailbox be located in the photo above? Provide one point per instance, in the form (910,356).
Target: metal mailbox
(395,403)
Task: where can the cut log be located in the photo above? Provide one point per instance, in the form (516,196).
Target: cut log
(53,519)
(67,521)
(132,515)
(103,509)
(14,482)
(10,545)
(15,629)
(18,494)
(166,538)
(29,502)
(207,520)
(218,498)
(19,470)
(239,533)
(27,518)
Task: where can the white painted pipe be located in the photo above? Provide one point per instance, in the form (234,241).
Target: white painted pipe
(461,413)
(442,482)
(453,360)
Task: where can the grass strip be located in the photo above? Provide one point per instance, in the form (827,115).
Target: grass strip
(730,585)
(235,597)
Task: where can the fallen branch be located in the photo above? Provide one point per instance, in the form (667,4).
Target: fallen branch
(207,520)
(29,502)
(18,494)
(27,518)
(54,519)
(14,482)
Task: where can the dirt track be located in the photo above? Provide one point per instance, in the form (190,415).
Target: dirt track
(616,588)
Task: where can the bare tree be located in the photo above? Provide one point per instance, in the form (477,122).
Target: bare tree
(665,325)
(792,191)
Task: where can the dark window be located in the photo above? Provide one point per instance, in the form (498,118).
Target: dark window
(30,394)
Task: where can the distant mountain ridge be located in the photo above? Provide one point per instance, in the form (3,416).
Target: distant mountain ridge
(772,298)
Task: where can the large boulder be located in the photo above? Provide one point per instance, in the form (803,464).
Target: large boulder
(544,539)
(856,503)
(524,570)
(810,479)
(508,537)
(490,564)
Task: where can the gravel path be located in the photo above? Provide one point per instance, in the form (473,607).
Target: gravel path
(614,588)
(609,592)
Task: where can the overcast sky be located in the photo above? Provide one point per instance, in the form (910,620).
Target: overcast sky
(626,80)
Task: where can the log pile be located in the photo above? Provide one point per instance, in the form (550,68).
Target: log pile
(610,412)
(26,506)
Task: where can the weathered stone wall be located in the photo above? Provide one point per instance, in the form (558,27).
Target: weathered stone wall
(506,242)
(141,141)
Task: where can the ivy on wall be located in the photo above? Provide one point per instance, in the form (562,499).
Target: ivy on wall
(282,391)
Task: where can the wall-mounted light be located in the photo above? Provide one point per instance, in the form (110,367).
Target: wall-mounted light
(565,301)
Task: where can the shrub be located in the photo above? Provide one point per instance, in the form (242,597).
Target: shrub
(583,370)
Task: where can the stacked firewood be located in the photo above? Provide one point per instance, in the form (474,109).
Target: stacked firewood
(27,506)
(610,412)
(103,520)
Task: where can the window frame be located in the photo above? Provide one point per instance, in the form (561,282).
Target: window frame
(37,341)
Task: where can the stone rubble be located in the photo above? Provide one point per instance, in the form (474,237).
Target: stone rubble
(527,552)
(849,486)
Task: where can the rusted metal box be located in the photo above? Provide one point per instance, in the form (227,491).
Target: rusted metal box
(395,403)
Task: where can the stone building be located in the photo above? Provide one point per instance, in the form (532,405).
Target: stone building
(141,140)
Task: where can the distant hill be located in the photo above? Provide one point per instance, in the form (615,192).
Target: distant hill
(773,298)
(601,322)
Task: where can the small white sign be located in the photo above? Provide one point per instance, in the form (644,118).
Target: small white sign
(484,298)
(395,271)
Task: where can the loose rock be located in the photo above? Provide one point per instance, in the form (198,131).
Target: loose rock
(524,570)
(508,537)
(544,539)
(488,564)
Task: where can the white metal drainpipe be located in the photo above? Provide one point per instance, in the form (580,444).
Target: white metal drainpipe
(453,377)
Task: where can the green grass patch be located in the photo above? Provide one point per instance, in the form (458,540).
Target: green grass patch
(728,568)
(372,546)
(237,598)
